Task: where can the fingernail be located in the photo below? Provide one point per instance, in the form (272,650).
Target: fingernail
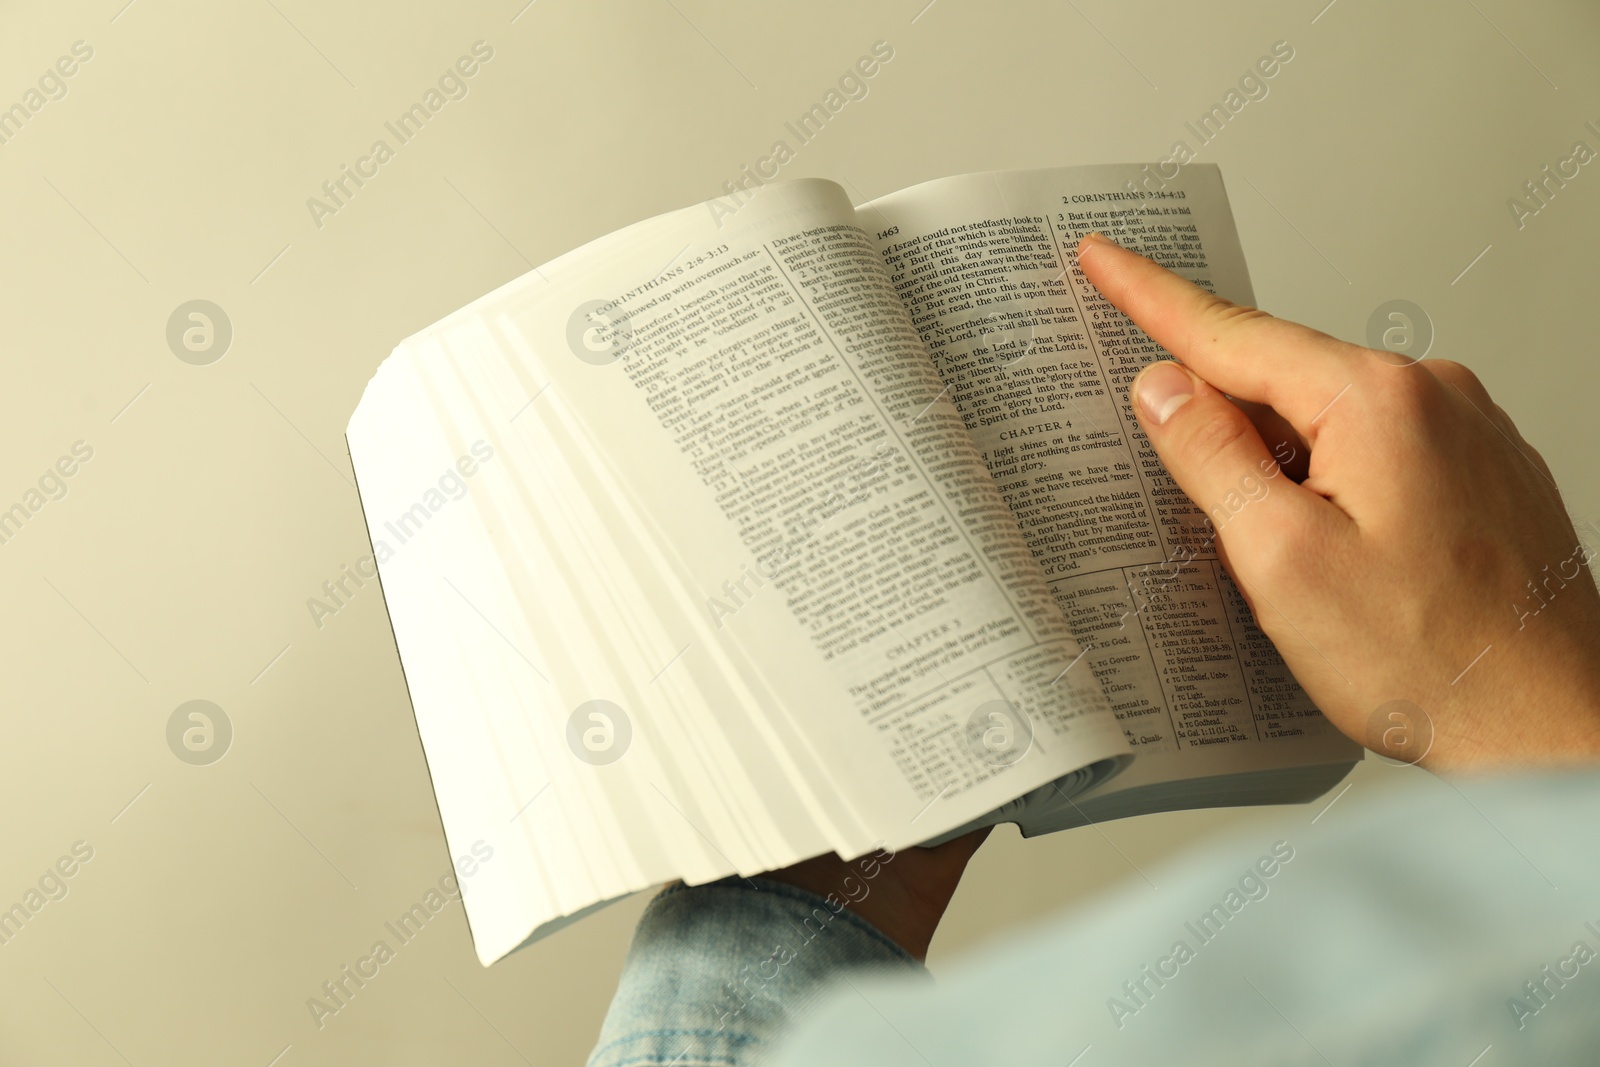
(1162,389)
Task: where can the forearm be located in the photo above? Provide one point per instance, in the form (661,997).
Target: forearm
(715,972)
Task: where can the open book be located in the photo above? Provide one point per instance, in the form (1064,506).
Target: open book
(752,532)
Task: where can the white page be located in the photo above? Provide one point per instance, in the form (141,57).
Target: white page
(614,412)
(1040,364)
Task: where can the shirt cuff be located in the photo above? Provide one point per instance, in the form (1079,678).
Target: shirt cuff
(716,971)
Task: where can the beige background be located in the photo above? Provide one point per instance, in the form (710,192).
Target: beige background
(218,498)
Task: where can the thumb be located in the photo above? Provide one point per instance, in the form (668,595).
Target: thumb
(1217,457)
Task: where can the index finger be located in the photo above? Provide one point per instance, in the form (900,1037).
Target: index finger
(1243,351)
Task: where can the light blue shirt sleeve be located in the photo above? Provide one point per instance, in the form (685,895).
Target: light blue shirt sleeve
(1434,922)
(716,972)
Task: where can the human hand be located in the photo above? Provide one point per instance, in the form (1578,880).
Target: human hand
(1425,557)
(904,894)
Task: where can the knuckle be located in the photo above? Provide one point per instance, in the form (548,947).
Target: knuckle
(1448,370)
(1230,314)
(1218,324)
(1223,319)
(1280,552)
(1462,377)
(1279,559)
(1415,394)
(1214,433)
(1274,561)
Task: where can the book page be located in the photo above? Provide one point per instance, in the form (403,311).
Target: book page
(1039,365)
(773,412)
(733,512)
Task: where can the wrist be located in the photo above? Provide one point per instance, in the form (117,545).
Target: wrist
(902,894)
